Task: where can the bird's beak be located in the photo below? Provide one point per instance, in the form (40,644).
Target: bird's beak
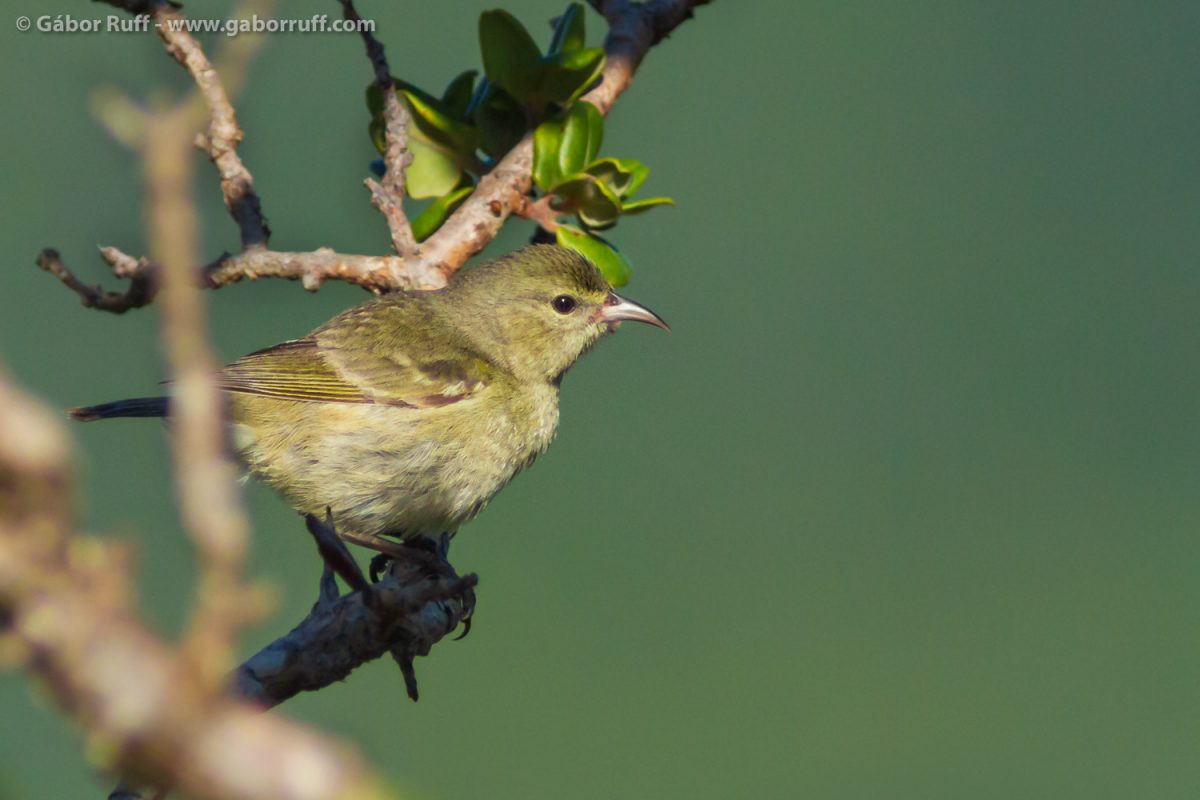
(617,309)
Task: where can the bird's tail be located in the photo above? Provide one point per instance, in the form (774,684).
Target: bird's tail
(133,407)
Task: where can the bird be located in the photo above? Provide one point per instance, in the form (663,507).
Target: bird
(402,417)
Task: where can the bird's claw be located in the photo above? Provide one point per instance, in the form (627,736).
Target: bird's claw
(379,565)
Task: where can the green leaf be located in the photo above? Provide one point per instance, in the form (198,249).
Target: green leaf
(568,31)
(568,75)
(547,139)
(582,132)
(594,202)
(608,259)
(433,172)
(432,120)
(638,206)
(436,213)
(622,175)
(457,96)
(375,99)
(376,130)
(501,122)
(510,58)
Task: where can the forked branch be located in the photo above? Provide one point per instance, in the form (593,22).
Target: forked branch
(634,28)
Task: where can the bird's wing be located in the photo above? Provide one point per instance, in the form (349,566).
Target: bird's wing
(322,371)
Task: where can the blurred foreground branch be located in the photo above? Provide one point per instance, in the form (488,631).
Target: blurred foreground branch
(65,602)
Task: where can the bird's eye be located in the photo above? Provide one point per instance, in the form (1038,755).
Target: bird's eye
(563,304)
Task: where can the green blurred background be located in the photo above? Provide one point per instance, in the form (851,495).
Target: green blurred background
(904,507)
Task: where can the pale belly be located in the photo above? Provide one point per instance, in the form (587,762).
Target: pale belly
(390,471)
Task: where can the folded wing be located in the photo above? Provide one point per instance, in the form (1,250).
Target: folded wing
(319,371)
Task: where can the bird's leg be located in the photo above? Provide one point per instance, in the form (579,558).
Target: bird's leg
(373,542)
(335,554)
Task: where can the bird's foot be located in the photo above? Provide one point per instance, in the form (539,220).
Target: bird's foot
(428,557)
(378,566)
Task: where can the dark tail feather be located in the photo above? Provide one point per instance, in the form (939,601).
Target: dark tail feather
(134,407)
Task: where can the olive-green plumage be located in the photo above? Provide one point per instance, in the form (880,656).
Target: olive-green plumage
(406,414)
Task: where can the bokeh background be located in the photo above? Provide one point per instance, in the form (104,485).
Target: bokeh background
(905,506)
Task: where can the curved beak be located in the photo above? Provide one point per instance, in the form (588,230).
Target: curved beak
(617,309)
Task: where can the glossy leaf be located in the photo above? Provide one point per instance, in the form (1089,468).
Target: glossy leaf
(433,172)
(594,202)
(511,59)
(638,206)
(568,31)
(547,139)
(436,213)
(375,99)
(622,175)
(568,75)
(582,132)
(435,123)
(501,122)
(376,130)
(457,96)
(608,259)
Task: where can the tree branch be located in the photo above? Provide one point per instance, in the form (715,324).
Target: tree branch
(224,133)
(406,613)
(378,274)
(388,196)
(634,29)
(141,288)
(66,603)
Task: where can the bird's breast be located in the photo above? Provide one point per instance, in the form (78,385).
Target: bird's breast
(395,471)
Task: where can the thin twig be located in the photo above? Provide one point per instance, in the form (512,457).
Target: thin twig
(541,212)
(388,196)
(140,291)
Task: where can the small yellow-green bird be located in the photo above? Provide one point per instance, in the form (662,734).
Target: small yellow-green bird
(406,414)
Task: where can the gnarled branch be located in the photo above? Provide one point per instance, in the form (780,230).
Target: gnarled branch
(406,613)
(634,29)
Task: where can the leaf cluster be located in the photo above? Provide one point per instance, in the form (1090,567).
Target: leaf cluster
(457,136)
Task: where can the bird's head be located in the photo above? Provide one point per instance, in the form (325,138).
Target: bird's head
(537,310)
